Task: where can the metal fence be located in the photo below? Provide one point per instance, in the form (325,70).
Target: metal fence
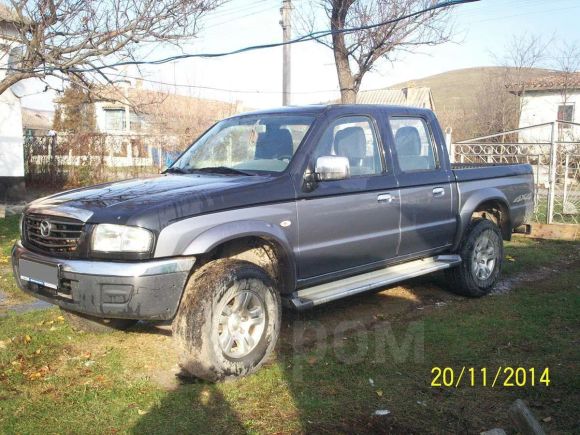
(69,160)
(553,150)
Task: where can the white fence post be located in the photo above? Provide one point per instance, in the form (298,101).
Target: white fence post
(552,180)
(130,154)
(450,144)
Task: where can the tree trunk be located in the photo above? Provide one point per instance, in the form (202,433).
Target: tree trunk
(12,79)
(346,81)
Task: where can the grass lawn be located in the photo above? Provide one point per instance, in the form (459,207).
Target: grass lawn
(9,233)
(55,380)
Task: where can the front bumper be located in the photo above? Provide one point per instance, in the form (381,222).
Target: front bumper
(149,289)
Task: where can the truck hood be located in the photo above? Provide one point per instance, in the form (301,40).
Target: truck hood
(157,201)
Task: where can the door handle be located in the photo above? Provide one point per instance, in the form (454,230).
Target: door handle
(438,191)
(385,197)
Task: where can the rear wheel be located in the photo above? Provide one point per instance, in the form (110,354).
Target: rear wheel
(86,323)
(481,252)
(228,321)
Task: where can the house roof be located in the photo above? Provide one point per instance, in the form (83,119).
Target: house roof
(554,81)
(408,96)
(8,15)
(411,96)
(36,119)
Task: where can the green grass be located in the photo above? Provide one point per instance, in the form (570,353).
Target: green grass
(527,254)
(9,233)
(55,380)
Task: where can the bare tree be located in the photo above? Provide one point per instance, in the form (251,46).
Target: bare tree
(355,53)
(522,55)
(568,63)
(67,38)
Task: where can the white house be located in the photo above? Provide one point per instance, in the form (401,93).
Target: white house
(547,99)
(11,139)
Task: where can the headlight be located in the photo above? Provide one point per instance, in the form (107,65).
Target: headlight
(121,238)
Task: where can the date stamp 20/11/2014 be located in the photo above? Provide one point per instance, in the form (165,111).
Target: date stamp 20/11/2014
(508,377)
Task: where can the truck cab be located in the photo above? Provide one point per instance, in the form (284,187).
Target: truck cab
(294,206)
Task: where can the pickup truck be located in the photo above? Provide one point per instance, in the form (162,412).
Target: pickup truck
(289,207)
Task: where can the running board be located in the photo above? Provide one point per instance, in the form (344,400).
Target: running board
(320,294)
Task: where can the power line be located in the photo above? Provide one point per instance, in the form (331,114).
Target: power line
(209,88)
(309,37)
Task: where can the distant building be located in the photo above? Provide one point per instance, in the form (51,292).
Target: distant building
(36,122)
(549,98)
(138,111)
(11,140)
(410,96)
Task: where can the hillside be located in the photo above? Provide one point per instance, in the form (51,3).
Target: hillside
(460,88)
(466,99)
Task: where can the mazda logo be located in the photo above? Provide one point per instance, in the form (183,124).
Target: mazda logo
(45,227)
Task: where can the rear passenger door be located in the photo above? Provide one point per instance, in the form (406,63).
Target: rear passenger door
(427,218)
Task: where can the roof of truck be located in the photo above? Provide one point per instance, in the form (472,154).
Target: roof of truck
(319,108)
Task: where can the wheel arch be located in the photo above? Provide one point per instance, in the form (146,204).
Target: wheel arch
(489,204)
(259,242)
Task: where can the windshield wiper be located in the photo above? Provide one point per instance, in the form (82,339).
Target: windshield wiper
(175,170)
(222,170)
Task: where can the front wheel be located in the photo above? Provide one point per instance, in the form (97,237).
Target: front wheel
(481,252)
(228,321)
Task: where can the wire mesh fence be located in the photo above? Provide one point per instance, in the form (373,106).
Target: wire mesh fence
(553,151)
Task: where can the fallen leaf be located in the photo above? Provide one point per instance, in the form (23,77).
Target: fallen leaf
(141,412)
(547,419)
(27,339)
(60,319)
(380,393)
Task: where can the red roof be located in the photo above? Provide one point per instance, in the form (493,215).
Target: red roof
(554,81)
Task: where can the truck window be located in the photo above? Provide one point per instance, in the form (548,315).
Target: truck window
(352,137)
(414,145)
(263,143)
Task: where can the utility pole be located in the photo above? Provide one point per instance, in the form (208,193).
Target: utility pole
(286,23)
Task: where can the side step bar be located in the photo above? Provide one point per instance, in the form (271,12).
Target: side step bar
(320,294)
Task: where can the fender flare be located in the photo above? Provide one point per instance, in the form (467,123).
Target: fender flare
(222,233)
(474,201)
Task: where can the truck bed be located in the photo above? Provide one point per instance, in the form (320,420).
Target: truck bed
(482,171)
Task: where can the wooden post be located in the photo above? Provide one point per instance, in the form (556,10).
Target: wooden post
(524,420)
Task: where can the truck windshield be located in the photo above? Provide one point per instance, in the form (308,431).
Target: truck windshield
(246,145)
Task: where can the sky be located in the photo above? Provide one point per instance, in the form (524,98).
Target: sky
(482,30)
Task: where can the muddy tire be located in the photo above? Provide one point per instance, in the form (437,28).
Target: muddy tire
(85,323)
(228,321)
(481,251)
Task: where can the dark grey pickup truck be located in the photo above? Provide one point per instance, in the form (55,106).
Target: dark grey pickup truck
(295,206)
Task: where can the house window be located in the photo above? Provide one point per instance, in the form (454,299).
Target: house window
(114,119)
(566,113)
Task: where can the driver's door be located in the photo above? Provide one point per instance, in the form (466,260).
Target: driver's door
(351,224)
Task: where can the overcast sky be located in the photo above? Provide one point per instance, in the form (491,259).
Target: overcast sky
(482,28)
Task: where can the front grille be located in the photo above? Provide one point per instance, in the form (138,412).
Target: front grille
(53,234)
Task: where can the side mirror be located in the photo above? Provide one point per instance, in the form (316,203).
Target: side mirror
(330,168)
